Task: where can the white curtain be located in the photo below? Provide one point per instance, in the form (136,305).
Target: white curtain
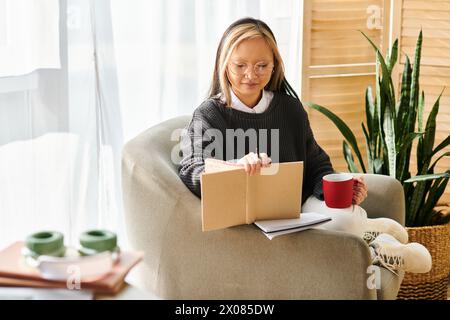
(29,36)
(61,135)
(125,66)
(165,52)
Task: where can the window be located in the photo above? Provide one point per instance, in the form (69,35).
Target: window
(29,36)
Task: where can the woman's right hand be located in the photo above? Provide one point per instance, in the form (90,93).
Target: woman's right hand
(253,164)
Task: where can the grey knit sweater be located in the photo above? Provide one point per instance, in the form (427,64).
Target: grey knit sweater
(294,139)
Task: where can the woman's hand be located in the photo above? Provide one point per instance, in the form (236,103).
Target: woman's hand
(359,190)
(253,164)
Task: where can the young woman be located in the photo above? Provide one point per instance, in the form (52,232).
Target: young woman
(251,98)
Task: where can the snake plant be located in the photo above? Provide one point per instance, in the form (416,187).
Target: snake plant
(390,131)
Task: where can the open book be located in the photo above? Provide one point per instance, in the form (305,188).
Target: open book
(307,220)
(230,197)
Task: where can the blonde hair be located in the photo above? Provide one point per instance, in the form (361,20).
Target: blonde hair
(244,29)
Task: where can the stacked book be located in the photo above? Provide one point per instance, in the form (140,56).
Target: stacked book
(15,271)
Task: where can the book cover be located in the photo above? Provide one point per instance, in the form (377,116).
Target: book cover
(230,197)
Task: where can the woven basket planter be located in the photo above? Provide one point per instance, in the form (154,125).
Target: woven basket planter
(431,285)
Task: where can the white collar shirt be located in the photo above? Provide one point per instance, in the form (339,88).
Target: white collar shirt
(260,107)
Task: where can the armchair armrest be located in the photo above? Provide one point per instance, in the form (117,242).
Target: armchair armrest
(385,197)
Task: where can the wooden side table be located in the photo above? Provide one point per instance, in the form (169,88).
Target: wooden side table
(128,292)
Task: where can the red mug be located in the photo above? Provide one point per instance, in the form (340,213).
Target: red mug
(338,190)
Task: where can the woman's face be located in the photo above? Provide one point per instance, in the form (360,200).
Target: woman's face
(250,69)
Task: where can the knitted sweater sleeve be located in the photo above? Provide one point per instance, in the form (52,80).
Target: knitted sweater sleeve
(317,160)
(193,142)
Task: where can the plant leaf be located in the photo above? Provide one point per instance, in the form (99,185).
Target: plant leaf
(419,150)
(409,123)
(439,219)
(388,126)
(408,141)
(434,194)
(414,98)
(446,154)
(370,149)
(430,132)
(370,110)
(403,165)
(442,145)
(380,109)
(378,166)
(392,57)
(343,128)
(426,177)
(405,97)
(416,200)
(349,157)
(403,155)
(386,80)
(420,111)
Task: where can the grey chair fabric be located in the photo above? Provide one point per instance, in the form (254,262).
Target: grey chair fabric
(181,262)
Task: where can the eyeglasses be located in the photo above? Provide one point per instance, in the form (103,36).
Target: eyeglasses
(260,69)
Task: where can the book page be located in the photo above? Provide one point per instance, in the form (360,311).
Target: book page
(223,199)
(306,219)
(277,195)
(214,165)
(272,235)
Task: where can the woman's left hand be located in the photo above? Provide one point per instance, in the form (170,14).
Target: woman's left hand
(359,190)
